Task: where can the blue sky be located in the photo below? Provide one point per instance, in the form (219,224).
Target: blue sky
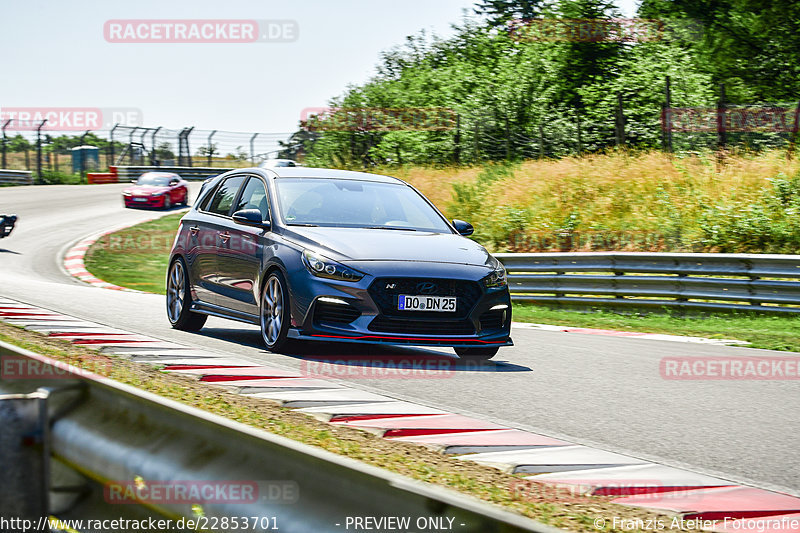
(56,56)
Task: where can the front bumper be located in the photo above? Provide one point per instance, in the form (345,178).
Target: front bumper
(367,312)
(149,201)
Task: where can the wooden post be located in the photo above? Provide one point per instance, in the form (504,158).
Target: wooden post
(668,115)
(620,122)
(793,134)
(541,141)
(508,140)
(457,141)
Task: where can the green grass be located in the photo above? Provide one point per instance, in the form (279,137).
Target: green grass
(763,331)
(135,257)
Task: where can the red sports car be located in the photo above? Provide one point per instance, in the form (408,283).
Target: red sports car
(157,189)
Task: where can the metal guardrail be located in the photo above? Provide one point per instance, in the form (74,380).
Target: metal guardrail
(110,432)
(16,177)
(187,173)
(714,282)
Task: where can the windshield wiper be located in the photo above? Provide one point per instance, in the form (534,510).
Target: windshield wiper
(390,227)
(302,224)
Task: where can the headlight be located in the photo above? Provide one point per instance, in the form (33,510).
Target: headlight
(323,267)
(497,277)
(158,194)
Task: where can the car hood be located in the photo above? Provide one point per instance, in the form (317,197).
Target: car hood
(359,244)
(145,190)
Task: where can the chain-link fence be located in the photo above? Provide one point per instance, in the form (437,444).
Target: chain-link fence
(49,153)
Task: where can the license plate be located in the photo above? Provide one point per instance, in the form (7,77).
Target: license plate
(140,199)
(443,304)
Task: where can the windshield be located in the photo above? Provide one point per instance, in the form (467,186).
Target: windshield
(356,204)
(158,180)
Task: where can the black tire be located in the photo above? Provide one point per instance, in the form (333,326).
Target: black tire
(179,299)
(167,202)
(274,311)
(185,200)
(477,354)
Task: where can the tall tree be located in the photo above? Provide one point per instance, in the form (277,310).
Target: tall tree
(499,12)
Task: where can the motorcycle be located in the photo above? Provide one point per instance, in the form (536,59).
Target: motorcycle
(7,224)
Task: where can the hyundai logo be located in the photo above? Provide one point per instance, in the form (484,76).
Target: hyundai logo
(426,287)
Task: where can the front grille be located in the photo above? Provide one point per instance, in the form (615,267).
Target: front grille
(492,320)
(385,324)
(385,292)
(331,313)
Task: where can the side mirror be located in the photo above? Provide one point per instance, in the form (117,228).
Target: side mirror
(251,217)
(463,228)
(173,182)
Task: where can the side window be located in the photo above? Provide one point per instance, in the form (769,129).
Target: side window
(254,196)
(225,195)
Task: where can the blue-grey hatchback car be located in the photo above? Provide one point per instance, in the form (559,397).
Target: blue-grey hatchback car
(332,255)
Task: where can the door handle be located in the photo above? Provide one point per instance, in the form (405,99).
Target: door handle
(193,230)
(225,236)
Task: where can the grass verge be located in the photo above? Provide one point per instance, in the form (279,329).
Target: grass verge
(137,257)
(762,331)
(556,507)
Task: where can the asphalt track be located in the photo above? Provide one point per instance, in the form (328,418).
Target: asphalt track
(596,390)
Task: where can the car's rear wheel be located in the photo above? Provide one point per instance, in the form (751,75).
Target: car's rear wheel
(275,311)
(179,299)
(185,200)
(477,354)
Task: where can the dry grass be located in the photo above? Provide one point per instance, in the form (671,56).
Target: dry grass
(669,196)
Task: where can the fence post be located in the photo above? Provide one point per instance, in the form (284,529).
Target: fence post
(620,122)
(793,134)
(130,145)
(83,156)
(667,116)
(252,148)
(508,140)
(476,142)
(722,137)
(188,148)
(541,141)
(111,145)
(5,164)
(210,151)
(153,156)
(457,141)
(141,141)
(39,152)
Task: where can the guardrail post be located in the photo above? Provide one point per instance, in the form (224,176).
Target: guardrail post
(24,455)
(5,164)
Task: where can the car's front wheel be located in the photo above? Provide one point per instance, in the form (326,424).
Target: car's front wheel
(179,299)
(275,311)
(477,354)
(167,202)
